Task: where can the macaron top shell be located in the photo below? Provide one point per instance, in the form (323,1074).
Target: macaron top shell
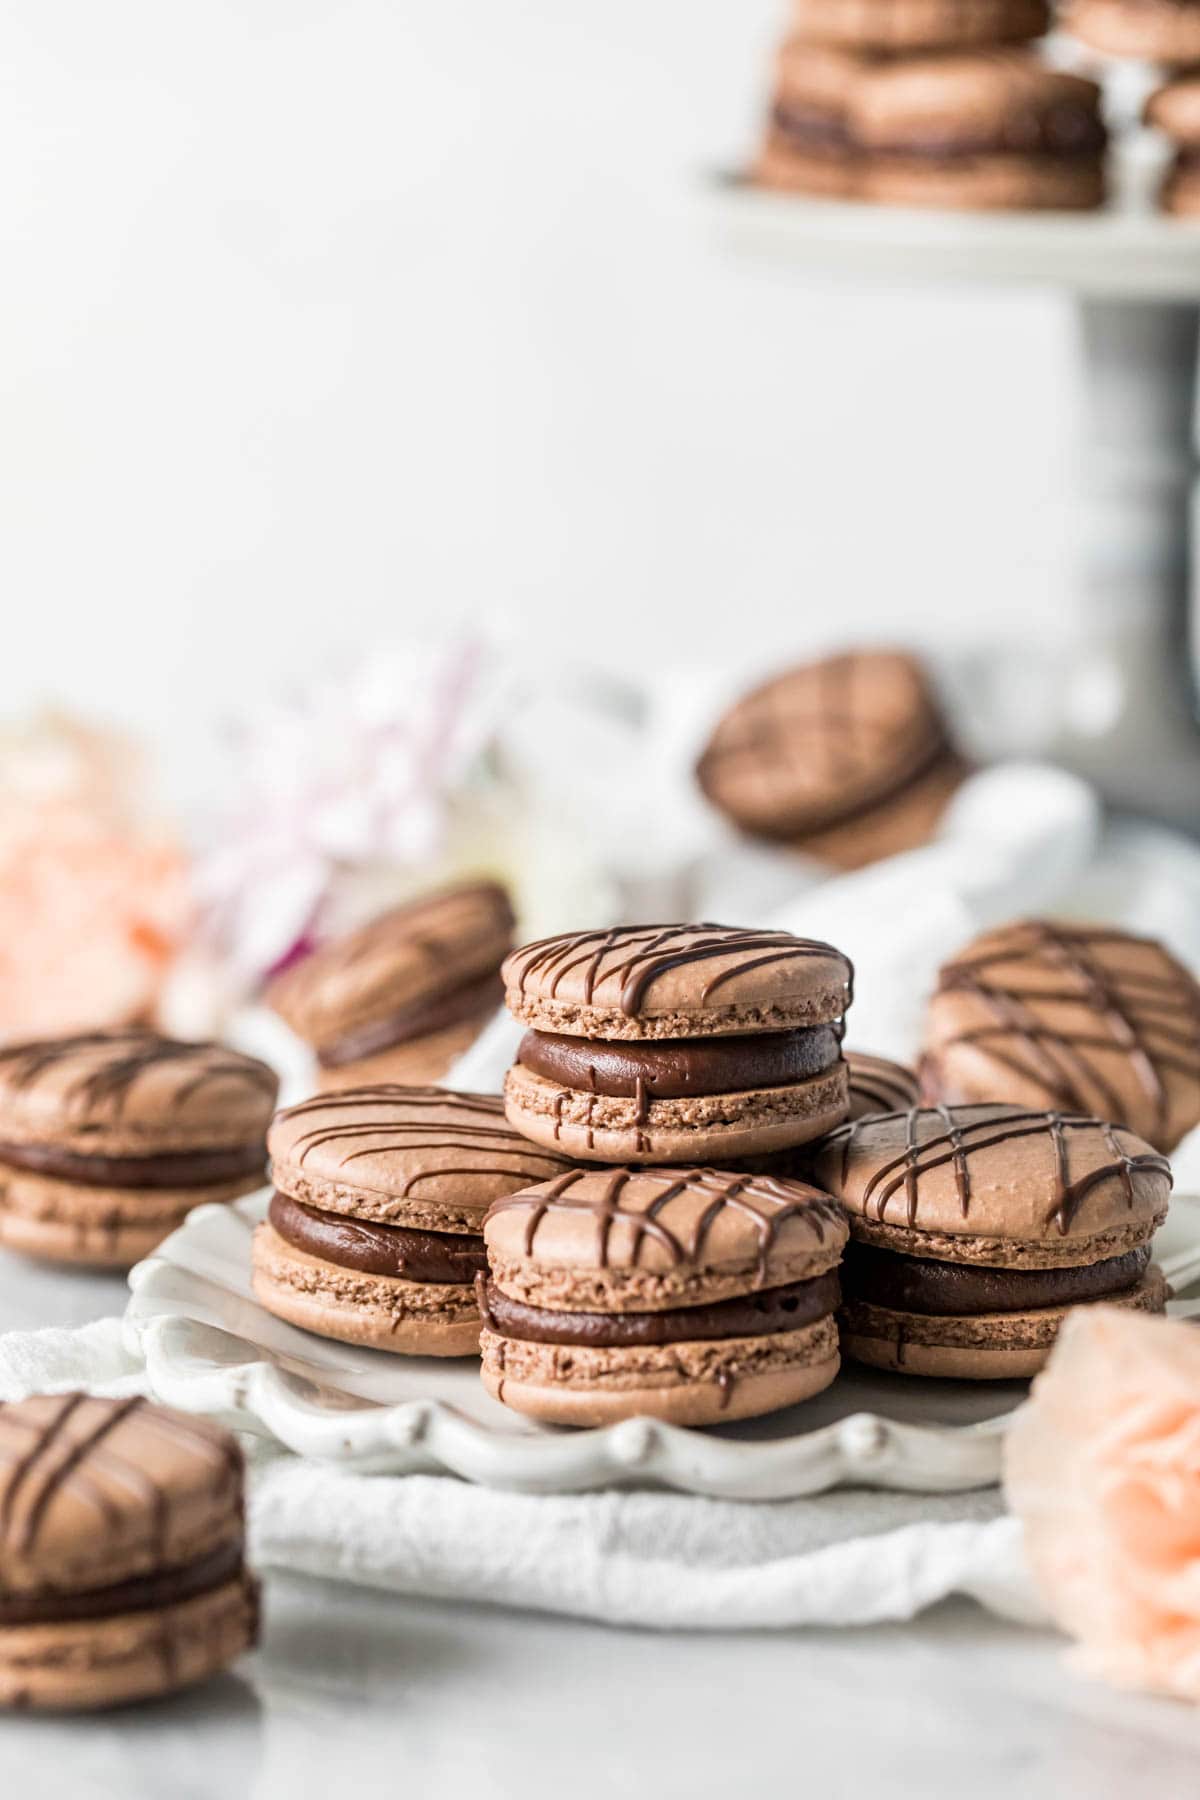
(1175,109)
(409,954)
(424,1156)
(1086,1018)
(988,1171)
(821,742)
(646,981)
(681,1222)
(132,1093)
(96,1491)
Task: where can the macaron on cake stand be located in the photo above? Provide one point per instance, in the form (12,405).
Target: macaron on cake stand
(1134,277)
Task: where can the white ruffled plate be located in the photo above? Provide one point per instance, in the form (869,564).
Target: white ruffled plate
(211,1348)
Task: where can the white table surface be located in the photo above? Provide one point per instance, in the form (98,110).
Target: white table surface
(366,1694)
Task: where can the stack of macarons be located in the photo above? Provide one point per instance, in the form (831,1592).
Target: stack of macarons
(930,103)
(108,1139)
(403,996)
(847,758)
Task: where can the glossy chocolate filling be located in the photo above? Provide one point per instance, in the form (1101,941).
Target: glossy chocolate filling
(419,1019)
(679,1067)
(1063,130)
(942,1289)
(173,1169)
(437,1256)
(748,1315)
(145,1593)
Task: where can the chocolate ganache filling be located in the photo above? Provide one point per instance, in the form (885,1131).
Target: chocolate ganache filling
(142,1593)
(434,1012)
(172,1169)
(373,1249)
(941,1289)
(748,1315)
(679,1067)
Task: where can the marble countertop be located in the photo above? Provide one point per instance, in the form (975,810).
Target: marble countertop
(370,1695)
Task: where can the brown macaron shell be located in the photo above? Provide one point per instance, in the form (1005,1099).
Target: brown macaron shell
(879,1085)
(823,743)
(1155,31)
(107,1141)
(676,981)
(121,1533)
(401,976)
(388,1187)
(626,1243)
(1174,108)
(1087,1019)
(998,1191)
(907,25)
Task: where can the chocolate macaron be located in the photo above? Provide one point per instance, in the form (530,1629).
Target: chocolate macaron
(691,1295)
(374,1232)
(121,1547)
(847,758)
(808,147)
(986,129)
(402,997)
(879,1085)
(107,1140)
(974,1229)
(1085,1018)
(1155,31)
(1175,110)
(908,25)
(677,1043)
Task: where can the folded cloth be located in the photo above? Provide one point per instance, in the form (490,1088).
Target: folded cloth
(643,1558)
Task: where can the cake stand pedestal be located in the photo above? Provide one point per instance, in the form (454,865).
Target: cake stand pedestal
(1129,722)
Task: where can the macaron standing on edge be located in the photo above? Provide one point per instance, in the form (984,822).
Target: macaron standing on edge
(847,758)
(974,1229)
(1085,1018)
(108,1139)
(374,1232)
(403,996)
(689,1295)
(121,1552)
(677,1043)
(879,1085)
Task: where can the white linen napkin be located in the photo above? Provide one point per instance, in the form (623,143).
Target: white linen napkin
(670,1561)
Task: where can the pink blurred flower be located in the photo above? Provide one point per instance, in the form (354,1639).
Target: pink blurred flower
(93,901)
(1103,1469)
(339,788)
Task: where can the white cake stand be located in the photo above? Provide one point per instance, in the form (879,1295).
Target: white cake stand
(1134,278)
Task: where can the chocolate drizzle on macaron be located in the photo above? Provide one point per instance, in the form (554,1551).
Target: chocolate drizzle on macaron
(121,1551)
(673,1043)
(374,1234)
(974,1228)
(689,1294)
(1080,1017)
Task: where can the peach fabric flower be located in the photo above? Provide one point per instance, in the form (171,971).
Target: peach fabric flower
(94,901)
(1103,1469)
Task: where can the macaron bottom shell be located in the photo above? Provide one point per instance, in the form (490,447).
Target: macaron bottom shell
(703,1383)
(382,1312)
(701,1129)
(414,1063)
(95,1227)
(975,1347)
(87,1664)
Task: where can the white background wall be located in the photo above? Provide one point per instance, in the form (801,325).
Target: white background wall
(318,317)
